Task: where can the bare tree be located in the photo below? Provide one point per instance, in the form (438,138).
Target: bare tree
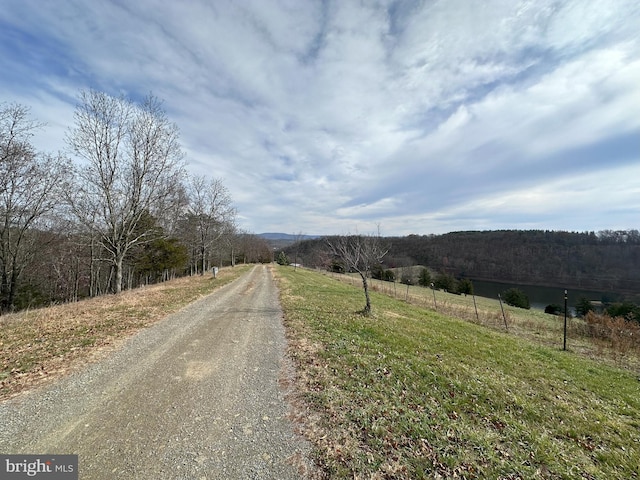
(133,168)
(253,248)
(30,184)
(211,214)
(231,239)
(359,253)
(297,240)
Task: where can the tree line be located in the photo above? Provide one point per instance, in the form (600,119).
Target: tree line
(606,261)
(123,213)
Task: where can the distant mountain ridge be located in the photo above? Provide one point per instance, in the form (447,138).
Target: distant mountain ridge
(286,236)
(279,241)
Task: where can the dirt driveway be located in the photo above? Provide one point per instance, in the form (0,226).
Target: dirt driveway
(196,396)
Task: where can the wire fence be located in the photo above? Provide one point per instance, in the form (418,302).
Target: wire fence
(596,336)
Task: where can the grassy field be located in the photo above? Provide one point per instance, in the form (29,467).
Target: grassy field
(40,345)
(533,324)
(416,393)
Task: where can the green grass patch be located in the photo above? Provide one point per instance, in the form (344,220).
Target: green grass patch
(412,393)
(533,324)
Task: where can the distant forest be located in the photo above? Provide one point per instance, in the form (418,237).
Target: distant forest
(604,261)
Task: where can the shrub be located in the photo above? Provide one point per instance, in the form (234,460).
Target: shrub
(425,278)
(465,286)
(623,334)
(446,282)
(516,298)
(553,309)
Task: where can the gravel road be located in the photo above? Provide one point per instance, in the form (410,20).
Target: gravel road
(197,396)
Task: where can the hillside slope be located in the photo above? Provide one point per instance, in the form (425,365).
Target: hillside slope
(411,393)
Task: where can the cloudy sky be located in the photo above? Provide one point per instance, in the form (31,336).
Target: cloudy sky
(337,116)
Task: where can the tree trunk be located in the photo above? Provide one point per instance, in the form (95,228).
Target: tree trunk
(11,291)
(94,273)
(130,278)
(76,281)
(4,293)
(118,282)
(365,286)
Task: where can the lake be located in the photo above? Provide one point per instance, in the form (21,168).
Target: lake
(540,297)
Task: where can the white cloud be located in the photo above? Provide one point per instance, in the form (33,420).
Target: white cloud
(566,201)
(320,115)
(383,206)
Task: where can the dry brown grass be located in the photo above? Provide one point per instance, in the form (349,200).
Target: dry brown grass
(39,345)
(616,334)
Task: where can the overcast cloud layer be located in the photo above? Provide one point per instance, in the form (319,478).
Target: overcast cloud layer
(334,117)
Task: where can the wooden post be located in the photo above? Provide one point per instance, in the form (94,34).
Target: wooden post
(433,289)
(476,307)
(504,317)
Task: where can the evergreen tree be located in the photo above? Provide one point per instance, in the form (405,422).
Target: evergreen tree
(465,286)
(446,282)
(583,306)
(282,259)
(627,310)
(516,298)
(425,278)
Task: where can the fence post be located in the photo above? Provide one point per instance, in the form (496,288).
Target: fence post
(504,317)
(476,307)
(433,289)
(564,343)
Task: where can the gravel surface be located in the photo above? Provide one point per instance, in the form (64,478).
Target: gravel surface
(197,396)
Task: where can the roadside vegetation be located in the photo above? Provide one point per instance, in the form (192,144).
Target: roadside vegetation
(121,214)
(39,345)
(414,392)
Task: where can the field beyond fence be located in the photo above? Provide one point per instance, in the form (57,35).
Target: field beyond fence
(597,336)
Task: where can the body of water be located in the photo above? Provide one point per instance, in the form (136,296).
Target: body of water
(540,297)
